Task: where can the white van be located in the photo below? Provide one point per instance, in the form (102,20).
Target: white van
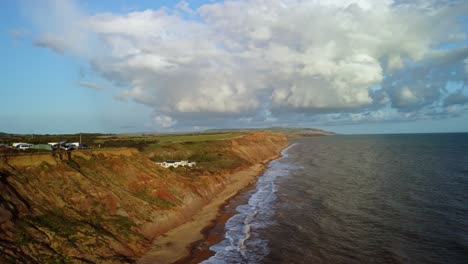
(23,146)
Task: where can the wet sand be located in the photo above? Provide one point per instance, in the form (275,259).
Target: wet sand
(213,234)
(179,243)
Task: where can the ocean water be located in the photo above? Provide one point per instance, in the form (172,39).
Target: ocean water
(356,199)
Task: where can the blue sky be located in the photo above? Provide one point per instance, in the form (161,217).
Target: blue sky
(40,92)
(181,74)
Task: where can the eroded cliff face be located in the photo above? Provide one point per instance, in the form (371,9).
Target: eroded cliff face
(105,206)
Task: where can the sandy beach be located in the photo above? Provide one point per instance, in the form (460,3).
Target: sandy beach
(215,232)
(176,244)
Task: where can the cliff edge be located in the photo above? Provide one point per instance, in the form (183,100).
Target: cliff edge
(108,206)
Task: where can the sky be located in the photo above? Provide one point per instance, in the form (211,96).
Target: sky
(127,66)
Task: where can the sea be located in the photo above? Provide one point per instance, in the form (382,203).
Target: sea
(354,199)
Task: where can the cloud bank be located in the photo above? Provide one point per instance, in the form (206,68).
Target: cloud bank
(269,62)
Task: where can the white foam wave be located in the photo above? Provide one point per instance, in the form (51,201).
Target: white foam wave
(242,243)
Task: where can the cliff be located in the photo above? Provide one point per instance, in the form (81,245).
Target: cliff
(107,206)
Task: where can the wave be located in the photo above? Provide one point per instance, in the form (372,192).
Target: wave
(242,244)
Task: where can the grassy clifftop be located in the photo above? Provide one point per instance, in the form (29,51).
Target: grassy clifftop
(300,131)
(107,205)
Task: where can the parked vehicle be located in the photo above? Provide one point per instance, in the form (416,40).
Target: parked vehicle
(76,144)
(68,147)
(15,145)
(23,146)
(57,145)
(54,145)
(83,146)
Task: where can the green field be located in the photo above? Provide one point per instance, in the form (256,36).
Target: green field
(197,137)
(139,141)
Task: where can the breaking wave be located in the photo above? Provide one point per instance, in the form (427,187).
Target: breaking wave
(242,243)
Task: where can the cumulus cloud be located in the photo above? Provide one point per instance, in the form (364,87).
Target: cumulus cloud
(422,85)
(261,60)
(164,121)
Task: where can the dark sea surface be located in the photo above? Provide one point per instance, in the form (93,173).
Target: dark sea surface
(356,199)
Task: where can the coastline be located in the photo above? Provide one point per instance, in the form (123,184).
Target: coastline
(177,244)
(215,232)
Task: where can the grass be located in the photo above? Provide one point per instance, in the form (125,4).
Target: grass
(69,230)
(144,195)
(123,222)
(207,149)
(198,137)
(58,222)
(211,156)
(138,141)
(117,141)
(44,139)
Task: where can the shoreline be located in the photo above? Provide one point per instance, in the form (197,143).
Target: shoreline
(214,233)
(178,244)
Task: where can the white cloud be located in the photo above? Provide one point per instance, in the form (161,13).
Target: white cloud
(238,58)
(164,121)
(53,42)
(407,97)
(185,7)
(62,27)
